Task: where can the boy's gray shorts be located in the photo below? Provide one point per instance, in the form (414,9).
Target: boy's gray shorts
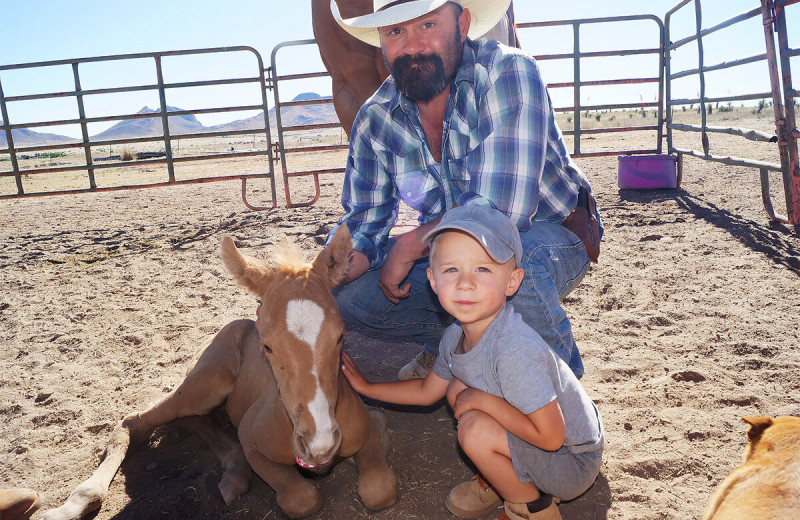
(561,473)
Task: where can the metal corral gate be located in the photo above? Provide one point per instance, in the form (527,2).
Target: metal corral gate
(281,150)
(782,94)
(87,143)
(577,55)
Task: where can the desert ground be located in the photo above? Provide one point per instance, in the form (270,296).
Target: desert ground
(688,322)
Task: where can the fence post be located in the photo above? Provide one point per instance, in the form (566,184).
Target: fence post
(10,140)
(698,16)
(791,173)
(165,119)
(576,64)
(786,146)
(87,150)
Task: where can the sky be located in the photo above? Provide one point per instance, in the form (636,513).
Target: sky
(46,30)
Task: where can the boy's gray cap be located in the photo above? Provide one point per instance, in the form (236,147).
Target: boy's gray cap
(495,231)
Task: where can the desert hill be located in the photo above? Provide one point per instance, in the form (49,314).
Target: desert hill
(151,126)
(26,137)
(290,116)
(186,124)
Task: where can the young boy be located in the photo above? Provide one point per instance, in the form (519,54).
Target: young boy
(523,418)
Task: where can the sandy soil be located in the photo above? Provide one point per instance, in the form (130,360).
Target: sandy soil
(688,323)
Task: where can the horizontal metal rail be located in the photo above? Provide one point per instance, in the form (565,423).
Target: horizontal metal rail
(752,135)
(127,117)
(720,99)
(729,160)
(720,66)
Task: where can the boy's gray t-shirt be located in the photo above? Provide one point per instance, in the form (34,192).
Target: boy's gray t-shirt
(513,362)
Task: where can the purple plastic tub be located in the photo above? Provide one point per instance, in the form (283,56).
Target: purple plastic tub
(646,172)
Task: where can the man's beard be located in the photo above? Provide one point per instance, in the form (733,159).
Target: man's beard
(422,77)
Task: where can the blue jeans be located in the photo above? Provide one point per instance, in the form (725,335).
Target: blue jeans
(554,261)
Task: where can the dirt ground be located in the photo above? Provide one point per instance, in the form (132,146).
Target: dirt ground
(688,323)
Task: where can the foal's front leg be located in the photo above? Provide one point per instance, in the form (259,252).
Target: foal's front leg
(377,484)
(362,435)
(261,432)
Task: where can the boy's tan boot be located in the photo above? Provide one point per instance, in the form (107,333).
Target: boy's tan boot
(512,511)
(472,499)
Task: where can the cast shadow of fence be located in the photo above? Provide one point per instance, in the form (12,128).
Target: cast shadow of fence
(778,242)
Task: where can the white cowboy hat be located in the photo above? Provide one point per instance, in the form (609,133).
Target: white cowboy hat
(485,15)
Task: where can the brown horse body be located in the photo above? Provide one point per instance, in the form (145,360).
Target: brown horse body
(279,381)
(357,69)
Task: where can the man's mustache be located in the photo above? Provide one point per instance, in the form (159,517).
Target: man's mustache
(407,61)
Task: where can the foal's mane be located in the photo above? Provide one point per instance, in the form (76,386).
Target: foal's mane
(288,257)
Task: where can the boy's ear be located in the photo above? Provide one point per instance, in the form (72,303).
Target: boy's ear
(431,279)
(514,281)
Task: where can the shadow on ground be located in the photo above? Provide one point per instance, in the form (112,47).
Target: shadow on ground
(773,239)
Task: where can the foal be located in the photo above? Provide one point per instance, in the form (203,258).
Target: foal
(279,381)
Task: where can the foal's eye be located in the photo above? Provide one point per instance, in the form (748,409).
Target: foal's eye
(267,348)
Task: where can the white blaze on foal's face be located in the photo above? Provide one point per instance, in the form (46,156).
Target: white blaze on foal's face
(304,319)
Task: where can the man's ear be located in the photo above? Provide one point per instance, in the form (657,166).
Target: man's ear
(464,21)
(432,281)
(514,281)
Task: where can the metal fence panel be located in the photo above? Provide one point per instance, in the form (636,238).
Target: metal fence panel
(170,139)
(782,95)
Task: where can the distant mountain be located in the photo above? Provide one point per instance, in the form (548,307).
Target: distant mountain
(290,116)
(188,124)
(26,137)
(151,126)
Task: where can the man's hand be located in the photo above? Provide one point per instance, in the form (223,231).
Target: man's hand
(358,264)
(395,269)
(407,249)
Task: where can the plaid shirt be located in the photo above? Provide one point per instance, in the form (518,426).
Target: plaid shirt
(501,146)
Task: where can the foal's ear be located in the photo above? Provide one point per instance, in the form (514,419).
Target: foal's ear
(332,263)
(757,427)
(251,273)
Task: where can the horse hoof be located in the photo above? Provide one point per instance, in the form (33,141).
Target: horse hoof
(300,504)
(232,487)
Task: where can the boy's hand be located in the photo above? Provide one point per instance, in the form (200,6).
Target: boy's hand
(454,387)
(469,399)
(353,374)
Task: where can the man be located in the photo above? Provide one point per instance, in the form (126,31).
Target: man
(459,121)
